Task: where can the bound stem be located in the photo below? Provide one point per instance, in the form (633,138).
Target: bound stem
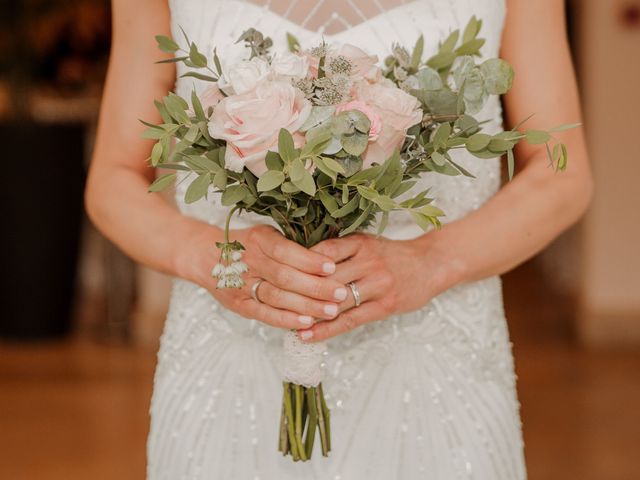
(321,424)
(290,422)
(298,430)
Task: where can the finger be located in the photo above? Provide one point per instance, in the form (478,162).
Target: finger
(270,315)
(305,306)
(292,280)
(368,288)
(353,269)
(287,252)
(345,322)
(339,249)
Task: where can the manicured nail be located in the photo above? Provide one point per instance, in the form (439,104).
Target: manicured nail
(306,334)
(305,320)
(328,267)
(331,310)
(340,294)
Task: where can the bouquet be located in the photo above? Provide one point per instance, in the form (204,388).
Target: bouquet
(326,142)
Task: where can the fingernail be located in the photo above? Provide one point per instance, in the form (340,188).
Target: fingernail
(305,320)
(306,334)
(331,310)
(340,293)
(328,267)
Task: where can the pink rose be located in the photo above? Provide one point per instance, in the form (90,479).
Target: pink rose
(372,115)
(398,111)
(250,123)
(364,65)
(211,96)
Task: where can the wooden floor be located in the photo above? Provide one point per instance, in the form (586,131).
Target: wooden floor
(77,409)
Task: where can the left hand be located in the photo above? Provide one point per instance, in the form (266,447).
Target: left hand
(392,276)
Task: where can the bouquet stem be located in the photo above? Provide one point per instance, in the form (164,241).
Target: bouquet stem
(304,411)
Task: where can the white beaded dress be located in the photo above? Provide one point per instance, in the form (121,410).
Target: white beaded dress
(425,395)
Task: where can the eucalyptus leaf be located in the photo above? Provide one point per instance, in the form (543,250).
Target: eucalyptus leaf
(348,208)
(156,154)
(199,76)
(198,188)
(162,182)
(301,178)
(220,179)
(472,47)
(510,163)
(498,76)
(478,142)
(286,148)
(197,58)
(269,180)
(418,49)
(355,144)
(537,137)
(429,79)
(328,201)
(273,161)
(167,44)
(234,194)
(318,115)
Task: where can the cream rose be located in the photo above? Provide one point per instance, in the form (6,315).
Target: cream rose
(289,65)
(244,76)
(398,111)
(250,123)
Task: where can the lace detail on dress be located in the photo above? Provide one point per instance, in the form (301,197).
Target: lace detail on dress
(329,16)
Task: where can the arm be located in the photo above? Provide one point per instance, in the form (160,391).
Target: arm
(153,232)
(515,224)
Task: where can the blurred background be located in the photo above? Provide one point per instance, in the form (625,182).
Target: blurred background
(79,322)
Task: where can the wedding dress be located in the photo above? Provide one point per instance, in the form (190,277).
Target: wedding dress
(425,395)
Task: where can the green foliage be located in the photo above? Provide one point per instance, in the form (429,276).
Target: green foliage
(322,189)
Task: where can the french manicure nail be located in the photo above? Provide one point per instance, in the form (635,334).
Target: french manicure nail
(331,310)
(340,294)
(306,334)
(305,320)
(328,267)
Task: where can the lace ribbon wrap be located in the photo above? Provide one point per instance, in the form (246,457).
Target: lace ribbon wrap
(303,362)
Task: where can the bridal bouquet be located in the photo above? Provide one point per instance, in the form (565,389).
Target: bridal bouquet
(326,142)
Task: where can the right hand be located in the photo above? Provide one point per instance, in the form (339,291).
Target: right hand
(294,291)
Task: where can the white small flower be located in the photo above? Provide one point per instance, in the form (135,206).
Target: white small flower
(236,255)
(221,283)
(243,76)
(289,65)
(241,267)
(217,270)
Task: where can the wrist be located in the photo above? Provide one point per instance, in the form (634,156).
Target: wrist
(195,251)
(443,265)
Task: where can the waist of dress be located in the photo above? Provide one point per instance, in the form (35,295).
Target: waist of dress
(472,311)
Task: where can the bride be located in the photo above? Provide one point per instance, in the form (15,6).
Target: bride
(420,376)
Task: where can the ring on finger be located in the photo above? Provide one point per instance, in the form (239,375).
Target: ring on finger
(254,290)
(356,293)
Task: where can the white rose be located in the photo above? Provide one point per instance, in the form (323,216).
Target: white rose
(288,64)
(243,76)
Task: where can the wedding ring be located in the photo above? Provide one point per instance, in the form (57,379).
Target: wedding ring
(254,290)
(356,293)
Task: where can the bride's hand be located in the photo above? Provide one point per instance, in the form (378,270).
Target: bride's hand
(391,276)
(296,285)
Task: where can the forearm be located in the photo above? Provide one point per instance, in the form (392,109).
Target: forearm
(144,225)
(518,222)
